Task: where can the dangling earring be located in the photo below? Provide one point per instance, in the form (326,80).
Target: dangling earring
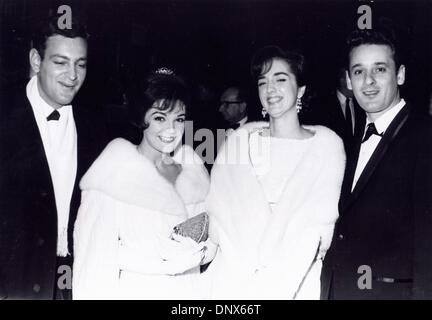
(263,112)
(299,105)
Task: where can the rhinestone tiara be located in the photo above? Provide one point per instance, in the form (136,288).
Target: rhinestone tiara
(165,71)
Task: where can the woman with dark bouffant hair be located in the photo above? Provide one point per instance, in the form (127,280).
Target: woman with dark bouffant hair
(133,196)
(275,186)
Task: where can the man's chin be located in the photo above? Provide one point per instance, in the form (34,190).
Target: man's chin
(65,101)
(371,106)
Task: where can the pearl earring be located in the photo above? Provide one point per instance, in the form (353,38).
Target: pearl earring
(264,112)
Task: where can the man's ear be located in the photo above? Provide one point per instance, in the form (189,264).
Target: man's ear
(243,106)
(348,80)
(301,91)
(401,75)
(35,60)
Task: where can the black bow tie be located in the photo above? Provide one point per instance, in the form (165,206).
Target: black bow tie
(371,129)
(55,115)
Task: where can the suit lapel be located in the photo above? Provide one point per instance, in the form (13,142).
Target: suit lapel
(32,147)
(339,118)
(375,159)
(360,121)
(352,156)
(352,159)
(31,160)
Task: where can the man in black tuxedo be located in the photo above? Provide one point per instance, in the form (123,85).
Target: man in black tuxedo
(383,241)
(339,111)
(233,107)
(46,147)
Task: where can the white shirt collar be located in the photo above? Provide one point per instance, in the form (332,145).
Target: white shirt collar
(386,118)
(242,121)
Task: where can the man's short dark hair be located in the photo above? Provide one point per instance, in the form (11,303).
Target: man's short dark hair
(49,27)
(242,94)
(377,37)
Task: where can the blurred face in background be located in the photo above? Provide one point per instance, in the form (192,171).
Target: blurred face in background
(231,107)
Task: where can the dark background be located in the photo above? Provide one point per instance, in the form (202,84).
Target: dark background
(211,42)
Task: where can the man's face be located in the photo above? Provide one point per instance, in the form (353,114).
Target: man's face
(231,108)
(62,70)
(373,77)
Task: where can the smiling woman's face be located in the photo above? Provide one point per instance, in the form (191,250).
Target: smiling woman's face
(278,90)
(164,129)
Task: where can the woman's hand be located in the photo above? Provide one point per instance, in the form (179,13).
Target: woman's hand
(181,254)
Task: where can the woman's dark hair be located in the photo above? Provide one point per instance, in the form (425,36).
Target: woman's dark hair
(162,84)
(263,59)
(262,62)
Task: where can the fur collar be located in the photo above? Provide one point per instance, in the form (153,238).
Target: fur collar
(236,149)
(121,172)
(309,199)
(321,133)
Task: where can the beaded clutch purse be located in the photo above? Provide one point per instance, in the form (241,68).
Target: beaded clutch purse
(195,228)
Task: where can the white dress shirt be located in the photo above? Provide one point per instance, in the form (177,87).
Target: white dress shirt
(59,138)
(239,124)
(368,147)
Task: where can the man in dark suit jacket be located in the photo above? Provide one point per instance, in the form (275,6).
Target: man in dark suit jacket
(46,147)
(383,241)
(233,107)
(339,111)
